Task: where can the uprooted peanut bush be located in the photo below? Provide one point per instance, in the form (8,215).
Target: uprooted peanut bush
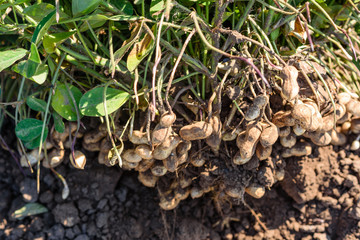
(208,97)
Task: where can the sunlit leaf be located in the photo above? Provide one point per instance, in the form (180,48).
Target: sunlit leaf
(139,52)
(118,55)
(39,11)
(50,41)
(43,26)
(156,6)
(92,103)
(7,58)
(34,54)
(81,7)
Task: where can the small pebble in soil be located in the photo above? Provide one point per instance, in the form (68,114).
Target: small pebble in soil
(46,197)
(91,229)
(350,181)
(56,232)
(82,237)
(36,224)
(69,233)
(48,180)
(102,203)
(121,194)
(84,204)
(66,214)
(101,219)
(28,190)
(354,211)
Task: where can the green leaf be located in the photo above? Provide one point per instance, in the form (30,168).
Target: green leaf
(81,7)
(7,58)
(36,104)
(36,142)
(50,41)
(28,210)
(118,55)
(39,11)
(139,52)
(28,129)
(31,70)
(123,5)
(43,26)
(156,6)
(41,74)
(275,34)
(21,1)
(95,21)
(58,122)
(34,54)
(92,104)
(62,101)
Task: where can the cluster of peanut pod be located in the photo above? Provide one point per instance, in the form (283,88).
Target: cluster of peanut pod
(235,156)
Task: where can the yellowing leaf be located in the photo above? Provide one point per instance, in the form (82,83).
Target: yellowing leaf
(297,30)
(139,52)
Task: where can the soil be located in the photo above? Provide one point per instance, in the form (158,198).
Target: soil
(318,199)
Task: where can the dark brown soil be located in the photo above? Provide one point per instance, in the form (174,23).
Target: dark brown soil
(318,199)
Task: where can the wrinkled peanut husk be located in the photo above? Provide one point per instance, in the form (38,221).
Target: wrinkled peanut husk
(196,131)
(290,88)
